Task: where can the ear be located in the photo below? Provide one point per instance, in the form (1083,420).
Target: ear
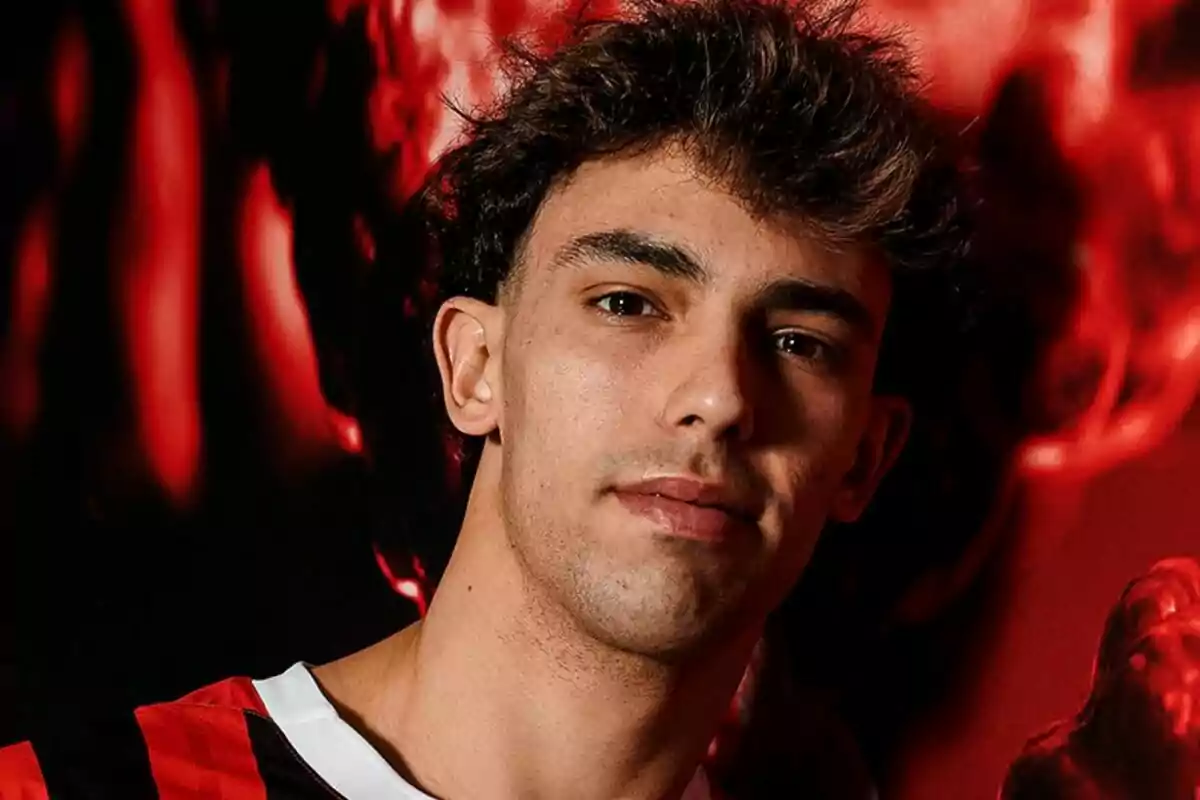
(886,431)
(467,335)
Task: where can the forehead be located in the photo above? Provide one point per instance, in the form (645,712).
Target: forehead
(663,196)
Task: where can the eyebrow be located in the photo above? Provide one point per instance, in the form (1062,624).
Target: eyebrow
(632,247)
(673,261)
(796,294)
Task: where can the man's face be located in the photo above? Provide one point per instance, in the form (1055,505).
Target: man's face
(684,399)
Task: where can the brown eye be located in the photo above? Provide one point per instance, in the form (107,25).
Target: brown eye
(801,345)
(625,304)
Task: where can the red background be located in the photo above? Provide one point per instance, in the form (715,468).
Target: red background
(195,199)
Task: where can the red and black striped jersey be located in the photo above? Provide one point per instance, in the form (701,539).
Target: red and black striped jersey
(276,739)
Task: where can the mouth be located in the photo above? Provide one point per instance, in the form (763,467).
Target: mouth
(690,509)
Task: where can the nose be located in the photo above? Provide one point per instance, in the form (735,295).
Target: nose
(709,379)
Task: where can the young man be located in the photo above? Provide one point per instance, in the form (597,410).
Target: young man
(671,260)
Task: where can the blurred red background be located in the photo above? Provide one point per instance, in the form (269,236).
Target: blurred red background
(220,452)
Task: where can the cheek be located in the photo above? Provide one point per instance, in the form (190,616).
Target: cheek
(821,430)
(809,465)
(561,406)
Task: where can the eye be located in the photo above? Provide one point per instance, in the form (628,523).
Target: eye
(625,304)
(801,345)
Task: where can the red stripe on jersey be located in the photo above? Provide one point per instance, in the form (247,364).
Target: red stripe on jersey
(20,774)
(231,693)
(200,751)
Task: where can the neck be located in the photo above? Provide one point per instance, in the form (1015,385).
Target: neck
(496,693)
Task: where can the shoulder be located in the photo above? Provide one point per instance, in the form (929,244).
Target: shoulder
(237,693)
(203,744)
(20,774)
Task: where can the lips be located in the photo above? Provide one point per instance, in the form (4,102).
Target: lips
(689,508)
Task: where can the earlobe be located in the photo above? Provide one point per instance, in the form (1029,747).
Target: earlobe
(465,343)
(883,439)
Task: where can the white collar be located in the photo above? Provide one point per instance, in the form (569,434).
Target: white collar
(339,754)
(333,749)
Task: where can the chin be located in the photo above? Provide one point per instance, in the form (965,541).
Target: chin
(666,626)
(664,647)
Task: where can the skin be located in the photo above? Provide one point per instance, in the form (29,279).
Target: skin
(575,648)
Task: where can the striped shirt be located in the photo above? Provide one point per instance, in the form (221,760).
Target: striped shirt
(240,739)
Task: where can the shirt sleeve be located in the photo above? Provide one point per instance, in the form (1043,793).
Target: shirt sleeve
(20,774)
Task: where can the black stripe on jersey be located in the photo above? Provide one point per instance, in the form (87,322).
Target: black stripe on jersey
(97,758)
(285,775)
